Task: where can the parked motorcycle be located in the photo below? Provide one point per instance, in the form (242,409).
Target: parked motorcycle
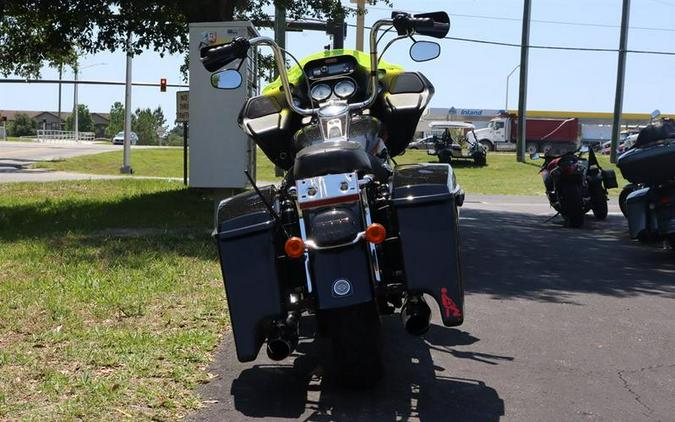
(648,202)
(346,236)
(576,185)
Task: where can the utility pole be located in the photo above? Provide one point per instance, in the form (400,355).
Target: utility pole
(620,77)
(75,107)
(522,101)
(280,39)
(126,166)
(360,22)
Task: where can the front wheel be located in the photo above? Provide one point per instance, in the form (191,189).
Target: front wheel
(480,160)
(487,144)
(599,201)
(356,345)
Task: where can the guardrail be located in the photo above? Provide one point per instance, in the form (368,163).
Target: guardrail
(63,136)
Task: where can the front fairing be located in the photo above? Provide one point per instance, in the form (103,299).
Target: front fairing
(363,130)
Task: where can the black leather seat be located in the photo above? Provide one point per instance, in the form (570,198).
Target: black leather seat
(331,158)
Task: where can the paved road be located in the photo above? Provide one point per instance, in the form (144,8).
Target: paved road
(17,157)
(21,153)
(561,325)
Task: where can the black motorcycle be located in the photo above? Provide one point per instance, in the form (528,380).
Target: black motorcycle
(347,236)
(576,185)
(648,202)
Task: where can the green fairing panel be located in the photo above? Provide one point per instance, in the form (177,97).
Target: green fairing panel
(295,73)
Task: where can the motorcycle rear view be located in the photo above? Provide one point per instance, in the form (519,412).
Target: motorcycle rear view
(575,185)
(346,235)
(648,202)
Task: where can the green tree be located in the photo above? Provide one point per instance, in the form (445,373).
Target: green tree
(116,124)
(37,31)
(85,123)
(22,125)
(143,122)
(160,121)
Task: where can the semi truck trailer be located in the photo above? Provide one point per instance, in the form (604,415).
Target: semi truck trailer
(542,135)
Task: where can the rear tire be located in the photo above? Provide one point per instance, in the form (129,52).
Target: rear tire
(571,205)
(598,201)
(356,345)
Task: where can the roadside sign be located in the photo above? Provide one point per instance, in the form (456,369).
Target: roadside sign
(182,106)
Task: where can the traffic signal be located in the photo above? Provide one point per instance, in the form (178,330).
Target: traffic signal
(162,84)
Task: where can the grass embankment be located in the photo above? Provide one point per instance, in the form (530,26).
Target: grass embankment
(111,300)
(502,176)
(158,162)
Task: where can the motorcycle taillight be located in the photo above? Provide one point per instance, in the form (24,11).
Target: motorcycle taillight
(569,169)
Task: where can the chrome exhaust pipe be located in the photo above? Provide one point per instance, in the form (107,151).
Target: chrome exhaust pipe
(283,339)
(416,315)
(279,348)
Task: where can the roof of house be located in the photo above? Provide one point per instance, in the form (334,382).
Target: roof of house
(11,114)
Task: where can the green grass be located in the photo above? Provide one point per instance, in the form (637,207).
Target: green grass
(111,300)
(502,176)
(158,162)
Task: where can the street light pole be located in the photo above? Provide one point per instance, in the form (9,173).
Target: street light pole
(75,107)
(506,103)
(126,165)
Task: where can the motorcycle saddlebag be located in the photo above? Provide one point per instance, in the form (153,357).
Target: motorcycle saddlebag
(637,213)
(426,198)
(609,179)
(245,235)
(650,164)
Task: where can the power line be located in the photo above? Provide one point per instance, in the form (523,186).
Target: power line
(552,47)
(549,22)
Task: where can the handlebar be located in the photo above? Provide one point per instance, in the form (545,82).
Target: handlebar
(436,24)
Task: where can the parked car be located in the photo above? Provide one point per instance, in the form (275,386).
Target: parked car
(119,138)
(422,143)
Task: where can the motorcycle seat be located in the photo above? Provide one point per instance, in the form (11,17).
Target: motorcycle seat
(331,158)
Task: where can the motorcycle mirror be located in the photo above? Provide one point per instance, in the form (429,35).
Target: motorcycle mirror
(226,79)
(422,51)
(534,156)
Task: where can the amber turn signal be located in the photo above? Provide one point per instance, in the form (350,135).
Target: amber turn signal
(376,233)
(294,247)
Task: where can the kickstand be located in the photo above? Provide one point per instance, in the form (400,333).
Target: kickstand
(551,218)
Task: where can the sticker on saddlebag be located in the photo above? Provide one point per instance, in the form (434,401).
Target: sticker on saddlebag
(449,305)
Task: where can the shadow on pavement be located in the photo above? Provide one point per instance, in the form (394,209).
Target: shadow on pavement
(413,387)
(514,255)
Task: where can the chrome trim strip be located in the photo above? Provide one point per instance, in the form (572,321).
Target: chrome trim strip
(375,264)
(312,245)
(303,235)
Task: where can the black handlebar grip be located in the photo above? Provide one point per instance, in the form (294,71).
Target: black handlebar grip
(434,24)
(218,56)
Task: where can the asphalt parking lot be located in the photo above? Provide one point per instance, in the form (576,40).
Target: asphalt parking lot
(561,325)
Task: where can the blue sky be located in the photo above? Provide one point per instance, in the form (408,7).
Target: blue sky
(466,75)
